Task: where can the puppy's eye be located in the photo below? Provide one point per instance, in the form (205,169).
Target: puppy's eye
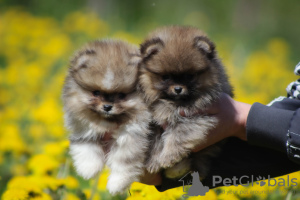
(165,77)
(96,93)
(189,76)
(121,95)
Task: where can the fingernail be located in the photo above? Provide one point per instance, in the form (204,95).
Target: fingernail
(182,113)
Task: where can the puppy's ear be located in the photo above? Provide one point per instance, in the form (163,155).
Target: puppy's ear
(79,61)
(151,47)
(135,59)
(206,46)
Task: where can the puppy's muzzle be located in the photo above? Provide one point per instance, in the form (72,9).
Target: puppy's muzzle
(178,90)
(107,107)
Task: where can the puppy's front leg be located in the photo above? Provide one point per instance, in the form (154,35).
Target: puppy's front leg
(126,160)
(155,148)
(181,139)
(88,158)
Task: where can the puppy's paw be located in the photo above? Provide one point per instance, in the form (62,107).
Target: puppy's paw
(179,169)
(153,166)
(117,184)
(89,169)
(88,159)
(167,160)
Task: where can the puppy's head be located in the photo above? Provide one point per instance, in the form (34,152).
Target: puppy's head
(101,84)
(178,65)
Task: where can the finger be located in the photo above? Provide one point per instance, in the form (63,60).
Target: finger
(200,147)
(211,110)
(184,113)
(164,126)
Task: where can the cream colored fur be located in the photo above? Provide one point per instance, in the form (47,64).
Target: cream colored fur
(109,67)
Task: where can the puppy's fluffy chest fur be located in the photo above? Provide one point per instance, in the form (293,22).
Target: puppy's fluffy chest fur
(97,132)
(169,115)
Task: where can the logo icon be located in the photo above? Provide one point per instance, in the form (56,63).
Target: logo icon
(196,188)
(262,181)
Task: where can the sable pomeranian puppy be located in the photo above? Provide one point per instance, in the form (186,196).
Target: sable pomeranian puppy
(180,72)
(107,118)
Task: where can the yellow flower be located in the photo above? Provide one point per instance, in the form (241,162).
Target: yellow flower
(15,194)
(48,112)
(175,192)
(10,113)
(241,191)
(45,182)
(70,182)
(103,179)
(228,197)
(282,190)
(41,196)
(265,68)
(19,170)
(10,139)
(70,196)
(5,94)
(37,131)
(138,196)
(87,193)
(137,187)
(142,191)
(56,46)
(260,191)
(50,182)
(24,183)
(57,130)
(296,178)
(56,149)
(42,164)
(210,195)
(150,192)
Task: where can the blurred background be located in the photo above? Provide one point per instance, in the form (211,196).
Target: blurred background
(258,42)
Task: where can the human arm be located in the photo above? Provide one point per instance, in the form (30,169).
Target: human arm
(239,158)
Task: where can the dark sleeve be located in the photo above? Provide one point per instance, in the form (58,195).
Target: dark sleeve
(276,127)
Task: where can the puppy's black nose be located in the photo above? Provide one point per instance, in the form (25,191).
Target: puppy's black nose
(107,107)
(178,89)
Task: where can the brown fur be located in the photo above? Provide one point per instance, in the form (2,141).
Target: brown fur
(183,58)
(104,54)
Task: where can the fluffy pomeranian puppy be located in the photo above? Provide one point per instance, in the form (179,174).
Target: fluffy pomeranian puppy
(107,118)
(180,72)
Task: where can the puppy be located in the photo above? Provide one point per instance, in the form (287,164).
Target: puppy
(180,72)
(107,118)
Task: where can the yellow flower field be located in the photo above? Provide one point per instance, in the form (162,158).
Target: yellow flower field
(34,55)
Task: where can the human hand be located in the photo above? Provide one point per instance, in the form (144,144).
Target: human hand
(232,117)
